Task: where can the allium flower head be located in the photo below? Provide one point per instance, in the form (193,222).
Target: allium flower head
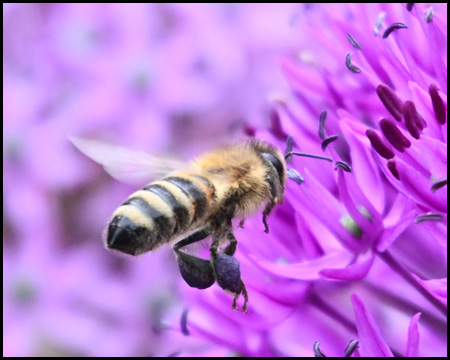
(355,261)
(356,252)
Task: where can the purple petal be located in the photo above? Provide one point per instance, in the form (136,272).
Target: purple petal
(438,288)
(396,221)
(307,270)
(412,345)
(372,343)
(418,188)
(353,272)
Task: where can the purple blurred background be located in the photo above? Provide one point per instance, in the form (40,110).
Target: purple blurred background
(177,79)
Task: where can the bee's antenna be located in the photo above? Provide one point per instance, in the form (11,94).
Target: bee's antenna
(288,153)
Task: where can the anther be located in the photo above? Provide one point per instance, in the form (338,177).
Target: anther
(438,104)
(390,101)
(289,147)
(379,22)
(428,217)
(351,348)
(409,6)
(391,28)
(328,140)
(411,119)
(394,135)
(393,168)
(429,15)
(350,66)
(317,352)
(355,43)
(438,184)
(323,117)
(379,145)
(343,165)
(183,323)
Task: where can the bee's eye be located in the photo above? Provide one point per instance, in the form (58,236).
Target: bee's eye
(275,162)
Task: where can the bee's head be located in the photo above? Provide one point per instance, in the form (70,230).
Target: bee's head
(273,160)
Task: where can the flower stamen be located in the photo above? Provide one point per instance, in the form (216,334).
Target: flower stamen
(438,104)
(289,148)
(323,117)
(438,184)
(317,352)
(412,119)
(350,66)
(428,217)
(351,348)
(429,15)
(379,22)
(391,28)
(394,135)
(343,165)
(183,323)
(379,145)
(390,101)
(355,43)
(393,168)
(328,140)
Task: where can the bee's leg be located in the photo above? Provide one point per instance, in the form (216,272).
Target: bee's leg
(245,294)
(266,213)
(228,272)
(197,272)
(231,248)
(195,237)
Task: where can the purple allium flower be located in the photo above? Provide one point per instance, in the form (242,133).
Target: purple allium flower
(355,262)
(357,255)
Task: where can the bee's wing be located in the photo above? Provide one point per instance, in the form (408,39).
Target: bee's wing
(130,166)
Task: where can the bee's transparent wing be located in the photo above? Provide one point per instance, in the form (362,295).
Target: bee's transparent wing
(130,166)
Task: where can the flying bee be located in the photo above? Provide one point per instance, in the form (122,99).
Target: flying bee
(193,201)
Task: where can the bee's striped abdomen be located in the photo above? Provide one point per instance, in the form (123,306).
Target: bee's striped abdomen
(199,190)
(180,210)
(159,212)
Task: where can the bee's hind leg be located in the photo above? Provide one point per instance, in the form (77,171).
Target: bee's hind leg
(231,248)
(245,294)
(227,270)
(197,272)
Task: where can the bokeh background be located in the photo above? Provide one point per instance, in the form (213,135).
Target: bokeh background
(169,78)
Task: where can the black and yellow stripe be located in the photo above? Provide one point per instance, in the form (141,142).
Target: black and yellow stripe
(199,190)
(159,212)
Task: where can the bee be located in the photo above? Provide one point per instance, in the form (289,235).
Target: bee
(194,201)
